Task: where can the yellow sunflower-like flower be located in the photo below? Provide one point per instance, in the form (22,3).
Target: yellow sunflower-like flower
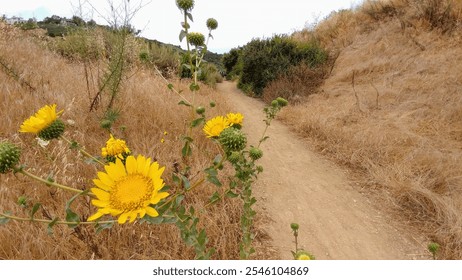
(44,123)
(115,148)
(303,255)
(215,126)
(235,119)
(128,190)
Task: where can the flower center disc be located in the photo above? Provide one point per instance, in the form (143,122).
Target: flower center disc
(131,192)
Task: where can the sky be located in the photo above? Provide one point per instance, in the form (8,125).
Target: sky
(239,21)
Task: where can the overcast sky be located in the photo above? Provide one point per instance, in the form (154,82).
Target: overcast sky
(239,21)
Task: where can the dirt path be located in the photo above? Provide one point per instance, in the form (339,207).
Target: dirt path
(336,221)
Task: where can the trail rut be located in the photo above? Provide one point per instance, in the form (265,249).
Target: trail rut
(336,220)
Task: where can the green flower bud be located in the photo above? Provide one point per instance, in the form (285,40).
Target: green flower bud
(212,104)
(196,39)
(234,157)
(9,156)
(232,139)
(282,102)
(294,226)
(259,168)
(255,153)
(274,103)
(53,131)
(212,24)
(22,201)
(106,124)
(185,5)
(200,110)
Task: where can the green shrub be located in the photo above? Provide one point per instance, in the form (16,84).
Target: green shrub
(263,60)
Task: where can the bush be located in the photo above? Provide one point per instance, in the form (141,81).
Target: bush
(300,81)
(265,60)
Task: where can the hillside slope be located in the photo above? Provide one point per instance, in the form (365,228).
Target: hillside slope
(391,110)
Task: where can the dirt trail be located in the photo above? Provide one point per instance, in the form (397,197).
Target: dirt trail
(336,221)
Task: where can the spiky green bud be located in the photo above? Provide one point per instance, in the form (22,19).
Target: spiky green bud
(255,153)
(282,102)
(9,156)
(106,124)
(274,103)
(259,168)
(294,226)
(53,131)
(200,110)
(212,104)
(234,157)
(212,24)
(232,139)
(185,5)
(196,39)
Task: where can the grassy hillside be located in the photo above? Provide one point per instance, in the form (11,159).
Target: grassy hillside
(150,121)
(390,109)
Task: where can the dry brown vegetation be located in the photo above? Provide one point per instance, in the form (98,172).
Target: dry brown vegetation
(391,109)
(37,77)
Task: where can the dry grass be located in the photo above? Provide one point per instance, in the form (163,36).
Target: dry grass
(148,109)
(402,133)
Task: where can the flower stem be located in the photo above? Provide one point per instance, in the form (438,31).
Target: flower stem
(82,151)
(49,221)
(50,183)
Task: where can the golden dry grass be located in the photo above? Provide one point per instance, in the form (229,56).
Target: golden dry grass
(402,132)
(148,109)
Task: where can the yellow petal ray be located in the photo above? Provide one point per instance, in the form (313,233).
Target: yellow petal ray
(95,216)
(100,203)
(156,198)
(131,164)
(100,194)
(101,185)
(105,179)
(142,212)
(116,170)
(151,212)
(132,216)
(122,218)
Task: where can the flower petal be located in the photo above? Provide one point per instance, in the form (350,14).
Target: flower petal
(151,212)
(156,198)
(122,218)
(95,216)
(100,194)
(131,164)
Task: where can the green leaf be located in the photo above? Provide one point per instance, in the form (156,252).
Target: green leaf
(264,139)
(71,216)
(197,122)
(202,238)
(214,180)
(217,159)
(179,199)
(231,194)
(211,171)
(182,35)
(214,198)
(74,145)
(176,179)
(34,210)
(170,86)
(182,102)
(190,16)
(186,183)
(186,151)
(154,220)
(50,226)
(4,220)
(191,211)
(101,227)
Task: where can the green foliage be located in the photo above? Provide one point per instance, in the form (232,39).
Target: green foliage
(81,44)
(263,60)
(232,63)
